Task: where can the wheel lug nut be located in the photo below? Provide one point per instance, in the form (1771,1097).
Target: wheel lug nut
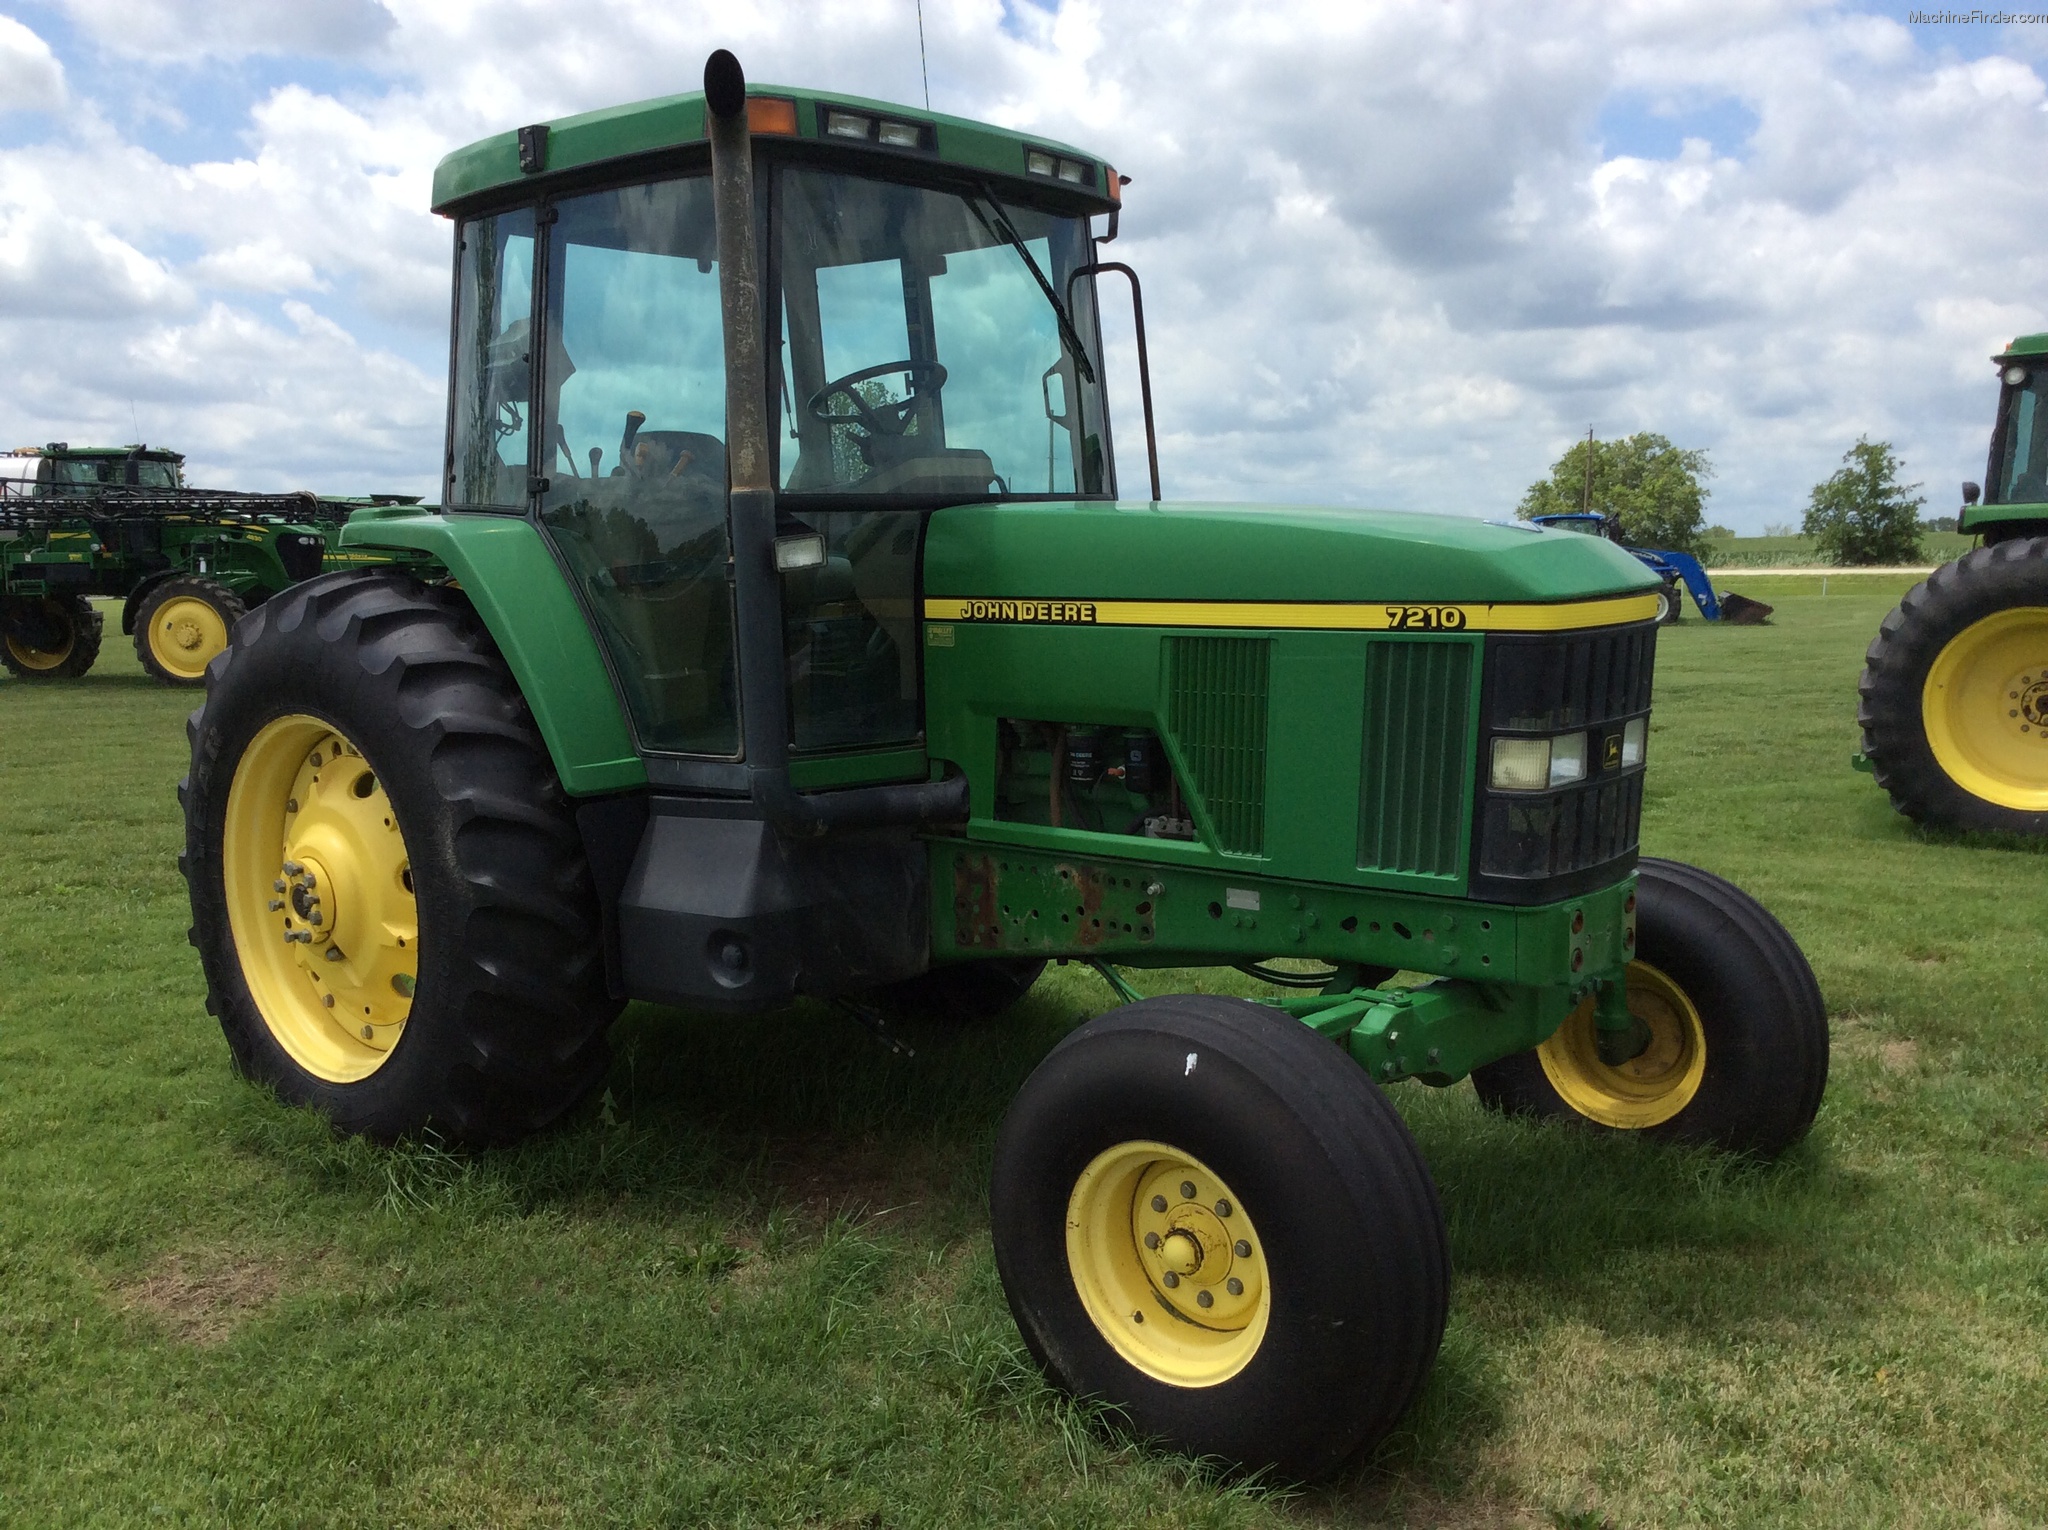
(1242,1249)
(1187,1189)
(368,1033)
(277,886)
(277,905)
(332,953)
(1152,1240)
(1158,1203)
(1204,1299)
(292,868)
(1171,1279)
(1234,1286)
(1223,1208)
(328,1000)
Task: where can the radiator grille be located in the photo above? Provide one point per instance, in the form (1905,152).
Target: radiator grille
(1216,711)
(1413,793)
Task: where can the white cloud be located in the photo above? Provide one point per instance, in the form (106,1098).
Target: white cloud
(1386,257)
(31,79)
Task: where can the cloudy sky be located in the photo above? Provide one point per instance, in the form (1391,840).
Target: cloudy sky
(1396,254)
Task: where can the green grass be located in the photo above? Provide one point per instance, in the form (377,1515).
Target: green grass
(1799,552)
(751,1285)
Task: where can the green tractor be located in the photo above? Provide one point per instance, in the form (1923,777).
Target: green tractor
(1953,699)
(783,635)
(120,523)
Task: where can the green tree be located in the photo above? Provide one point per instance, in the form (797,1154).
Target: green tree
(1864,514)
(1652,485)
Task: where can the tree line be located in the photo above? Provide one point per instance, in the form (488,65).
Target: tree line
(1656,491)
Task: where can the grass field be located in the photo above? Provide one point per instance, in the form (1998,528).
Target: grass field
(751,1284)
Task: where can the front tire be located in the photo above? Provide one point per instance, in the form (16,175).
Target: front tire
(1733,1033)
(180,626)
(1953,700)
(1210,1217)
(389,895)
(49,637)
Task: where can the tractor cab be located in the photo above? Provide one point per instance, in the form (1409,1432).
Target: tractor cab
(926,330)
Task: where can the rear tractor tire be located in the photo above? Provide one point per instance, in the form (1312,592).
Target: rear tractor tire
(1954,693)
(1733,1034)
(50,637)
(1209,1217)
(180,626)
(389,896)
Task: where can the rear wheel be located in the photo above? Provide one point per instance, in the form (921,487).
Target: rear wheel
(389,895)
(1954,693)
(182,624)
(1730,1041)
(50,637)
(1209,1216)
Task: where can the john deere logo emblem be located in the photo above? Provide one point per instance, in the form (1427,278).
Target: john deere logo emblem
(1611,753)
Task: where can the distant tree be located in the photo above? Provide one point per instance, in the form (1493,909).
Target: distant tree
(1653,486)
(1720,533)
(1781,529)
(1937,523)
(1863,514)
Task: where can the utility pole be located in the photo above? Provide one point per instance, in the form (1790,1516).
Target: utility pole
(1586,494)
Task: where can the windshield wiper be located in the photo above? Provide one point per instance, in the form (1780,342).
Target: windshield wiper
(1006,231)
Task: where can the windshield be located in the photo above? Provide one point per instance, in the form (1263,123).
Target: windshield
(2019,475)
(920,353)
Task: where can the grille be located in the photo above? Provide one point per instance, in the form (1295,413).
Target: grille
(1418,751)
(1216,711)
(1549,836)
(1549,684)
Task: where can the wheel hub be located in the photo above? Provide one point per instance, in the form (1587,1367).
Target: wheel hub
(330,937)
(185,634)
(1984,708)
(1167,1264)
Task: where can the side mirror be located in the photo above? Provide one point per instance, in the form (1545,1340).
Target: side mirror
(1971,492)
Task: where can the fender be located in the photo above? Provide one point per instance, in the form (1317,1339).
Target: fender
(518,590)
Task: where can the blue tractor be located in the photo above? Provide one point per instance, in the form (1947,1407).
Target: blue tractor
(1675,568)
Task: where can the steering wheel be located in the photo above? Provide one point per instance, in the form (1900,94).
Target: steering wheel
(890,419)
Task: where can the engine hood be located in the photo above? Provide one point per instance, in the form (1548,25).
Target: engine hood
(1097,551)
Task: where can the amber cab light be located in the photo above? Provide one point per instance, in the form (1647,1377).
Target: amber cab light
(771,114)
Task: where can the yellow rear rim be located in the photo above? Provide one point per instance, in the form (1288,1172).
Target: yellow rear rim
(1649,1088)
(1985,709)
(184,635)
(40,659)
(1167,1264)
(320,900)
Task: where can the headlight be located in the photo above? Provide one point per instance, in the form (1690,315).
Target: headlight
(1537,764)
(2014,376)
(1634,738)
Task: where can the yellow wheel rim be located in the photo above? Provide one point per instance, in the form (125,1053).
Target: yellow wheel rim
(41,659)
(184,635)
(1167,1264)
(1649,1088)
(1985,709)
(320,900)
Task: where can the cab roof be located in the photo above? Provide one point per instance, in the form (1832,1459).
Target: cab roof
(549,151)
(2024,345)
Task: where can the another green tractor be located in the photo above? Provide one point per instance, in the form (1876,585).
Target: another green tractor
(1954,692)
(783,635)
(119,522)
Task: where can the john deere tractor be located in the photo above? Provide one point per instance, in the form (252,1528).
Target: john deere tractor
(1954,694)
(120,523)
(783,634)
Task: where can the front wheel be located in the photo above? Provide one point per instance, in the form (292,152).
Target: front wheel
(1730,1044)
(49,637)
(1208,1216)
(182,624)
(389,895)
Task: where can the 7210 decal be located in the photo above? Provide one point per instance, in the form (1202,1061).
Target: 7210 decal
(1425,618)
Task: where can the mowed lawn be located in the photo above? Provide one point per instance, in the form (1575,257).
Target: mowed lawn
(751,1283)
